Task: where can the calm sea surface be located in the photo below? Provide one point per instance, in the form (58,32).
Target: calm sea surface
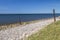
(12,18)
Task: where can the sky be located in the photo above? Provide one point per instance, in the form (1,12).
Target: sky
(29,6)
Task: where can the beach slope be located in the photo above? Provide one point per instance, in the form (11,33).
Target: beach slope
(23,31)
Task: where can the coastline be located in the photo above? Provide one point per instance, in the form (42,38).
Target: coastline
(12,25)
(23,31)
(8,26)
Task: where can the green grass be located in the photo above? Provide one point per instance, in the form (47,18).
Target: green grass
(51,32)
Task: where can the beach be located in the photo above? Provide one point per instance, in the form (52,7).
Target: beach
(23,31)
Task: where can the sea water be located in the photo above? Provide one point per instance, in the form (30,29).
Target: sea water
(13,18)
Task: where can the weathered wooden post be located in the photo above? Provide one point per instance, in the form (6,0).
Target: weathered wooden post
(54,15)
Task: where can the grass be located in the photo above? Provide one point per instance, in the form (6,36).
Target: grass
(12,25)
(7,26)
(51,32)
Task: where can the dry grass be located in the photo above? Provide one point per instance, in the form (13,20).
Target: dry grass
(6,26)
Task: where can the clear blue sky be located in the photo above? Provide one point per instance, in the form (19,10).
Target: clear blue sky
(29,6)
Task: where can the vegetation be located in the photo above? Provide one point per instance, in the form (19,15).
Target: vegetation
(6,26)
(12,25)
(51,32)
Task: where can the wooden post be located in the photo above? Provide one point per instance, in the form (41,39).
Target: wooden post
(54,15)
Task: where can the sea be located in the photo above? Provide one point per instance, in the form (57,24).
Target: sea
(13,18)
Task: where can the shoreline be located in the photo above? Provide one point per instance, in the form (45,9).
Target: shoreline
(23,31)
(12,25)
(7,26)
